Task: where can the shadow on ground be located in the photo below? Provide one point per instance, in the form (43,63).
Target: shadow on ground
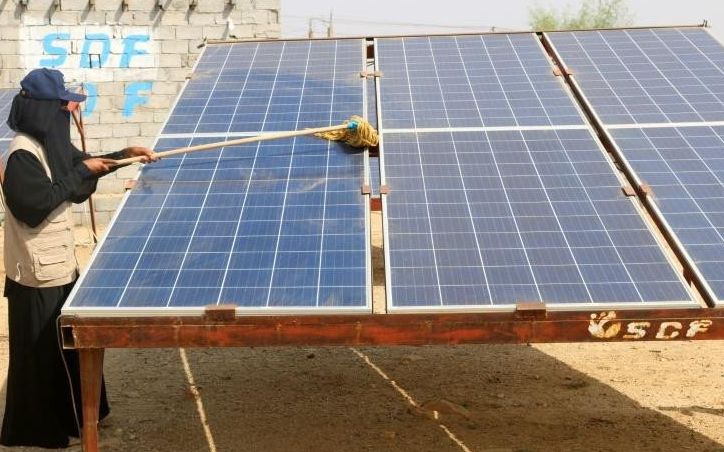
(508,398)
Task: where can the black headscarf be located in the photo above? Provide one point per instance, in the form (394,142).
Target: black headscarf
(49,124)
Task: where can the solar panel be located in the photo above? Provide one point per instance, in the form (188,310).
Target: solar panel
(260,86)
(485,220)
(6,101)
(277,226)
(685,168)
(666,75)
(470,81)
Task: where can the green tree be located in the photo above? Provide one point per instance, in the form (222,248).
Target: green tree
(591,14)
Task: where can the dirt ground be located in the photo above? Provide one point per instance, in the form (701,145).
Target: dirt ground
(552,397)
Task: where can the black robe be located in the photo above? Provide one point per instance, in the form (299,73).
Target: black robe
(39,409)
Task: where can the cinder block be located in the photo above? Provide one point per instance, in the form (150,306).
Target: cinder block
(141,115)
(163,32)
(211,6)
(142,5)
(143,61)
(196,19)
(127,172)
(110,88)
(93,18)
(173,18)
(268,34)
(73,5)
(108,5)
(169,60)
(110,185)
(99,75)
(243,31)
(99,131)
(175,46)
(103,218)
(12,62)
(189,32)
(149,130)
(76,33)
(127,31)
(125,130)
(40,5)
(164,87)
(110,117)
(106,203)
(10,33)
(140,141)
(215,32)
(267,4)
(8,47)
(132,75)
(35,19)
(195,47)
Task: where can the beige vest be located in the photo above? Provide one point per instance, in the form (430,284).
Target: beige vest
(43,256)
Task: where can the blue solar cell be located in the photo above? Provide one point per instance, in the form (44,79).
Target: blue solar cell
(271,86)
(287,246)
(685,168)
(269,226)
(6,100)
(467,81)
(647,76)
(531,229)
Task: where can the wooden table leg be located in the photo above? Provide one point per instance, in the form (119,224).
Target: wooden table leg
(91,372)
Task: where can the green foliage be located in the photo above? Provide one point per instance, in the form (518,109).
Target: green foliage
(592,14)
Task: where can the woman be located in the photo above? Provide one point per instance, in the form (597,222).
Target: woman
(43,175)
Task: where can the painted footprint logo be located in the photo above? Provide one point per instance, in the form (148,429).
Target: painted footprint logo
(601,327)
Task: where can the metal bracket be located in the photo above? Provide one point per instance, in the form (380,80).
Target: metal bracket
(130,184)
(628,190)
(366,190)
(558,72)
(530,310)
(365,74)
(384,189)
(646,189)
(220,313)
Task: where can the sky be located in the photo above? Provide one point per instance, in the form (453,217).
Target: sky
(380,17)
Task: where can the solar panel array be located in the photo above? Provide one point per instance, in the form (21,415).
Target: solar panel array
(660,93)
(470,81)
(271,86)
(500,190)
(647,76)
(276,226)
(6,101)
(529,209)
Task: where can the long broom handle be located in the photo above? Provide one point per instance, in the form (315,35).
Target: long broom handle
(219,144)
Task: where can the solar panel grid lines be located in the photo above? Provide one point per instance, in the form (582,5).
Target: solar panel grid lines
(647,76)
(412,88)
(685,168)
(6,101)
(279,226)
(257,65)
(553,254)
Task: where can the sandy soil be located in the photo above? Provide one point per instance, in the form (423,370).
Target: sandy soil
(587,397)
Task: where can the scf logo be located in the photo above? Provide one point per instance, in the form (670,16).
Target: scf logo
(57,47)
(605,326)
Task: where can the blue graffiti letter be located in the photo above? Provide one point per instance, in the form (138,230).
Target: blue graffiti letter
(134,98)
(90,103)
(130,50)
(90,39)
(50,49)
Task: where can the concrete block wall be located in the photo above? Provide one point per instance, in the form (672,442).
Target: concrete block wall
(131,57)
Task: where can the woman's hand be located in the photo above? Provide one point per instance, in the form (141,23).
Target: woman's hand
(140,151)
(99,165)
